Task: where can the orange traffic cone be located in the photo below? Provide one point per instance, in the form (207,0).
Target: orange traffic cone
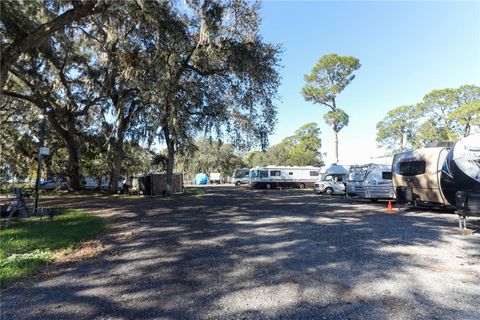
(389,208)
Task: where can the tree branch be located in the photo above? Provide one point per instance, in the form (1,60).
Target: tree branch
(22,44)
(204,73)
(20,96)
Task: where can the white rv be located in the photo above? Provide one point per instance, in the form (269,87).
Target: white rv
(332,180)
(283,177)
(371,181)
(240,176)
(443,176)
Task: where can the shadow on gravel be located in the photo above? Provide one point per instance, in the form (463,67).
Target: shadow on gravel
(280,254)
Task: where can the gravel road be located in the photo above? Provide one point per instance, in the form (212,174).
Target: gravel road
(276,254)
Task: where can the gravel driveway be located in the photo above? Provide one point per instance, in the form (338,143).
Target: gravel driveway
(282,254)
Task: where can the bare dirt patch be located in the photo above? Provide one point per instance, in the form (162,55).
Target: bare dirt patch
(86,250)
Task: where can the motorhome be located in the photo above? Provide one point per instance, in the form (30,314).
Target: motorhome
(370,181)
(329,184)
(240,176)
(283,177)
(444,176)
(332,180)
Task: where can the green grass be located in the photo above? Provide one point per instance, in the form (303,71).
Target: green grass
(29,243)
(194,192)
(7,187)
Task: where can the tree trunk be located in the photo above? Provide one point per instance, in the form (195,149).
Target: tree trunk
(118,154)
(170,165)
(68,137)
(118,144)
(116,164)
(73,157)
(335,142)
(401,142)
(73,167)
(170,160)
(466,132)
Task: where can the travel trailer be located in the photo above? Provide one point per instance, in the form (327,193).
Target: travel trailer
(283,177)
(240,176)
(370,181)
(449,177)
(332,180)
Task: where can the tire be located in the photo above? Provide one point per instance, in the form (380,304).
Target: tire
(301,186)
(373,199)
(417,202)
(238,183)
(268,186)
(329,191)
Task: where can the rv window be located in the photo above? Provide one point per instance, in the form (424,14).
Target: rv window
(387,175)
(327,178)
(275,173)
(411,168)
(313,173)
(263,174)
(290,173)
(241,174)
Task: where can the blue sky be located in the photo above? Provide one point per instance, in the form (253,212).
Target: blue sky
(406,50)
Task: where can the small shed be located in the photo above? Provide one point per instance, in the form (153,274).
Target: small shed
(155,184)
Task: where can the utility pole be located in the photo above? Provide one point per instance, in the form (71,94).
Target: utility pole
(39,168)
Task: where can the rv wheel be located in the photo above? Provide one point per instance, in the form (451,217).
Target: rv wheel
(301,186)
(268,186)
(237,183)
(329,191)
